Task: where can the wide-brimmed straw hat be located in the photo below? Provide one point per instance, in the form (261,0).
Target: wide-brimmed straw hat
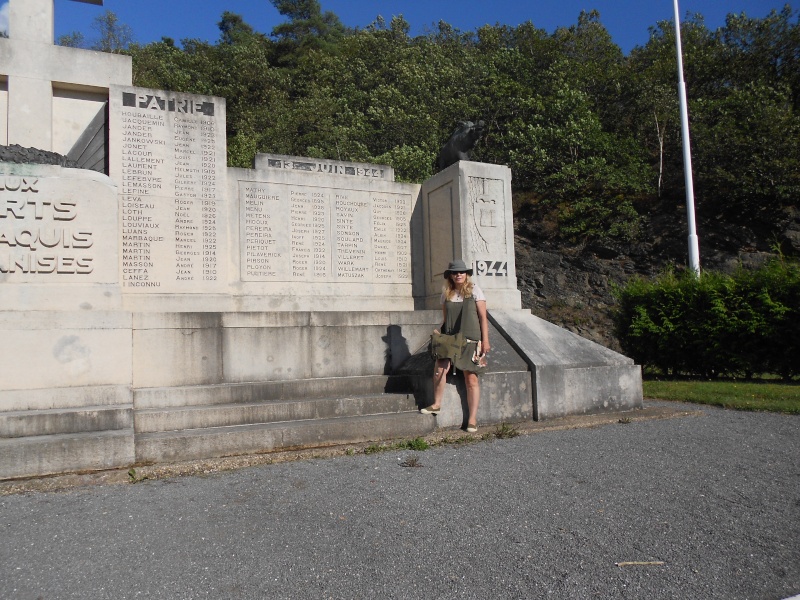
(458,266)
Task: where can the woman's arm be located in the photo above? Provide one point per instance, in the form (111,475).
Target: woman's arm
(483,319)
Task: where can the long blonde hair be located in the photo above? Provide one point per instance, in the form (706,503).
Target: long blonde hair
(449,290)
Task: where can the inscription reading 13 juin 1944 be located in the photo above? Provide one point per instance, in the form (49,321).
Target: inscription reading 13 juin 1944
(170,185)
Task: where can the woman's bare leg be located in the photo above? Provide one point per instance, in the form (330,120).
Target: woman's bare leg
(473,396)
(440,381)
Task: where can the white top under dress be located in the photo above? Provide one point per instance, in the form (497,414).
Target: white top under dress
(477,293)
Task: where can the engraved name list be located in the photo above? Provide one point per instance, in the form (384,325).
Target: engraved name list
(171,173)
(317,234)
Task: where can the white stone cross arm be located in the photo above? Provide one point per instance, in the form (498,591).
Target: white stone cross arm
(34,71)
(34,19)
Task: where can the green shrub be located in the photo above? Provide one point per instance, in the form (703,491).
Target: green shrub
(715,324)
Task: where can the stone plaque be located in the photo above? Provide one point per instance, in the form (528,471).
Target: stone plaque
(300,164)
(487,223)
(169,157)
(57,229)
(294,232)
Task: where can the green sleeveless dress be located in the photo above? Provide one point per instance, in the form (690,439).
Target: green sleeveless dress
(462,317)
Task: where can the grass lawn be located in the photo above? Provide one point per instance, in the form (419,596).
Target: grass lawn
(769,396)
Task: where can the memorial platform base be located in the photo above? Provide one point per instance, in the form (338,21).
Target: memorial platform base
(97,390)
(94,390)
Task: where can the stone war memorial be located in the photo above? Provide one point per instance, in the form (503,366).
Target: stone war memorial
(157,305)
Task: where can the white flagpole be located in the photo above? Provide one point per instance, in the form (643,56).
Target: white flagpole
(694,247)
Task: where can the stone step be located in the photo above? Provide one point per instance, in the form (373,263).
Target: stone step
(25,423)
(223,415)
(248,392)
(213,442)
(63,453)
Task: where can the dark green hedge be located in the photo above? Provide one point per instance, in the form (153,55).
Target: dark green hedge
(714,324)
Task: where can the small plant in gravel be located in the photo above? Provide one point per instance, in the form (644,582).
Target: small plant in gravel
(133,477)
(419,444)
(411,461)
(375,448)
(505,431)
(457,440)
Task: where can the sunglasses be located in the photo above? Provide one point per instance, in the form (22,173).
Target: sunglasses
(458,272)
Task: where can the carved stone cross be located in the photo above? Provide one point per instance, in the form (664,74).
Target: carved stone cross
(34,72)
(34,20)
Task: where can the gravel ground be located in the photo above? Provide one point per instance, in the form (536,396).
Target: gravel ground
(704,505)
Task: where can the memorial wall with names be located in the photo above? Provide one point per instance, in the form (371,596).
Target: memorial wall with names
(169,159)
(342,232)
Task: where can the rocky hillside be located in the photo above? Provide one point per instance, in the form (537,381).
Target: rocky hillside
(572,286)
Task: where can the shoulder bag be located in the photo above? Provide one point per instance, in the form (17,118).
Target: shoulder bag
(446,346)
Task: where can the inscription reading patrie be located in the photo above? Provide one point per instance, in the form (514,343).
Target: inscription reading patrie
(330,235)
(172,177)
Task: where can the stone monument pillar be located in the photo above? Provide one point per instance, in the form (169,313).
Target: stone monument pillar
(468,215)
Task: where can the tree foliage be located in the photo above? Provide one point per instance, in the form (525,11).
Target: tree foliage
(592,136)
(307,29)
(112,35)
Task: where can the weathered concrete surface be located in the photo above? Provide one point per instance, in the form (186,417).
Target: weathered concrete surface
(198,385)
(571,375)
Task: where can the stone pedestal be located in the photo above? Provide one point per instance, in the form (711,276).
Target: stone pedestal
(467,214)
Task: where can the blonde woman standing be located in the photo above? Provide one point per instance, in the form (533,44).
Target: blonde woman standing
(464,311)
